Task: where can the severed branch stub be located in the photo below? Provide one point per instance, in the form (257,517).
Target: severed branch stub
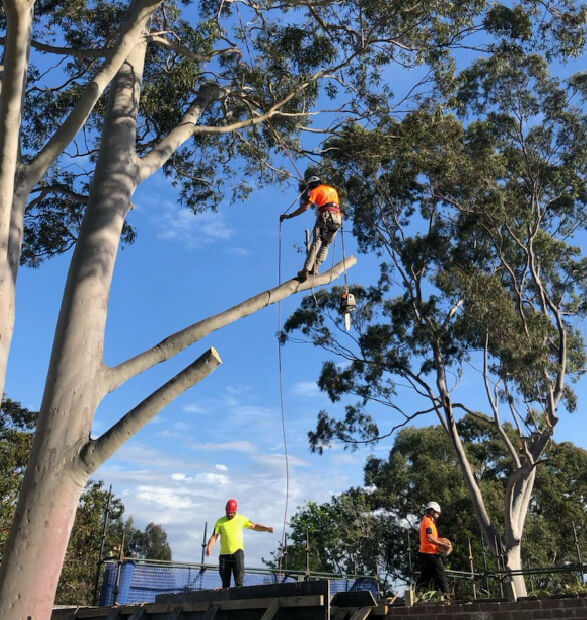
(97,451)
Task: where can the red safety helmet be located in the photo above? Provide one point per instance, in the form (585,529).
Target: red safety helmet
(231,505)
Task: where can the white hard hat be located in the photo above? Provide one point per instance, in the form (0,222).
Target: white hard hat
(433,506)
(313,180)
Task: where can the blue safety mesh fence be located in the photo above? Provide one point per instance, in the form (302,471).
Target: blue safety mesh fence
(140,582)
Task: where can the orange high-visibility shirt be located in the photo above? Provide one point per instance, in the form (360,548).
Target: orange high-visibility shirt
(425,546)
(322,194)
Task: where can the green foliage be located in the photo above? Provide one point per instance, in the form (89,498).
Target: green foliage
(341,537)
(475,221)
(152,543)
(256,55)
(16,437)
(374,527)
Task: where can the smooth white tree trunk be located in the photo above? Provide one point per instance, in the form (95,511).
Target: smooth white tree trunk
(513,563)
(55,474)
(517,496)
(17,180)
(19,19)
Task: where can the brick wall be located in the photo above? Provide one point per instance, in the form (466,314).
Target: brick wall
(565,608)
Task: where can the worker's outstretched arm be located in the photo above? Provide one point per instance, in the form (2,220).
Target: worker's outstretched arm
(261,528)
(302,209)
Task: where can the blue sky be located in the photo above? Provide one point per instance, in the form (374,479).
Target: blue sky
(224,437)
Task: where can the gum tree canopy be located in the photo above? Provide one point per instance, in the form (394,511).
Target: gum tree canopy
(194,89)
(481,282)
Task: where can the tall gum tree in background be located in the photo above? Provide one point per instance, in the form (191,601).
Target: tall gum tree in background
(374,529)
(190,96)
(474,224)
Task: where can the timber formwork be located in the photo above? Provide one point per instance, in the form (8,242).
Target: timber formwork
(307,600)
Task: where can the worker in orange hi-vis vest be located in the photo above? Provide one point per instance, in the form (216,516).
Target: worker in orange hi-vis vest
(430,550)
(328,220)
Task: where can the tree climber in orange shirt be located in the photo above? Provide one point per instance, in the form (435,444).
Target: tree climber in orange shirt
(328,220)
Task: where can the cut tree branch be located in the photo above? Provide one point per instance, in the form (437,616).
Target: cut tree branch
(99,450)
(174,344)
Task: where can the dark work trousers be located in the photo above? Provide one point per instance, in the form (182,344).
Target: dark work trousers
(432,569)
(232,563)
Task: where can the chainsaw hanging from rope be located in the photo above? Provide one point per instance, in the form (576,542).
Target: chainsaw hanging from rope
(347,306)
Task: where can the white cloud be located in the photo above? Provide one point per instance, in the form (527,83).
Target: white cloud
(279,459)
(238,251)
(232,446)
(139,454)
(178,224)
(163,496)
(183,504)
(212,478)
(193,408)
(308,389)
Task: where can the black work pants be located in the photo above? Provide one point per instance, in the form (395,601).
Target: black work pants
(432,569)
(232,564)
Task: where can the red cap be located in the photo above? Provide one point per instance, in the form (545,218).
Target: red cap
(231,505)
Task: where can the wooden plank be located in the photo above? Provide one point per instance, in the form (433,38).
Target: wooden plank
(211,613)
(380,610)
(138,613)
(270,591)
(313,600)
(77,612)
(362,613)
(359,598)
(175,614)
(271,610)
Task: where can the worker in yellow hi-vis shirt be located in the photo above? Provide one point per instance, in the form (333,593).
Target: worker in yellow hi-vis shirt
(232,546)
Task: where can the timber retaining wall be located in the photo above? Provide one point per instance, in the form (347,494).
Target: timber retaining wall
(565,608)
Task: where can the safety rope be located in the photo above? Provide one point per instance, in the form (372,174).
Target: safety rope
(280,346)
(283,549)
(286,149)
